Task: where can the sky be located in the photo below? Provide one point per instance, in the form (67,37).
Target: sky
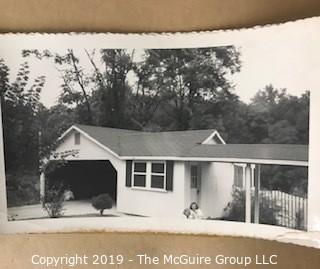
(285,59)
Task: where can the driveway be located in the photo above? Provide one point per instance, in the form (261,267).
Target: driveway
(71,209)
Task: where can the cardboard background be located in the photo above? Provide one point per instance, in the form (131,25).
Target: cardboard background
(18,250)
(147,16)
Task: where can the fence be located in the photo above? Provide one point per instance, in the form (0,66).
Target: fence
(291,209)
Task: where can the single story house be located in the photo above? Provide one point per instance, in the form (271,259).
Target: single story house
(161,173)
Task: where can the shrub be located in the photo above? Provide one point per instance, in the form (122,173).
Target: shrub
(102,202)
(299,220)
(53,201)
(236,209)
(22,188)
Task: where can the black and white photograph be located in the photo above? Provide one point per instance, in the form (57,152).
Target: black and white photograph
(211,134)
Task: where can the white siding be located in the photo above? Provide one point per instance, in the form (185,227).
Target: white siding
(88,150)
(216,188)
(154,203)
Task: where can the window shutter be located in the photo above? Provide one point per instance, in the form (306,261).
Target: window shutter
(128,173)
(169,176)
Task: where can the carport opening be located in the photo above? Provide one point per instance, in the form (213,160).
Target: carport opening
(86,179)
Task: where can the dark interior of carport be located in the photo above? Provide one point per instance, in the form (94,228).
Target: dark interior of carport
(86,178)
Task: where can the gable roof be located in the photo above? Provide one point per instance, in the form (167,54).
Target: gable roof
(137,143)
(188,145)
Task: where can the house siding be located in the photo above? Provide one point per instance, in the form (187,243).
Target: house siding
(87,150)
(151,202)
(216,188)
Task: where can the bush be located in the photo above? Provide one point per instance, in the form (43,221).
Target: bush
(22,188)
(53,201)
(299,220)
(102,202)
(235,210)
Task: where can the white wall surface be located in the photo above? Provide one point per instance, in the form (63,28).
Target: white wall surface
(87,150)
(152,202)
(216,188)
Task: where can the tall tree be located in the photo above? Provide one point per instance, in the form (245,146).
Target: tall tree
(76,82)
(184,77)
(21,104)
(111,93)
(278,117)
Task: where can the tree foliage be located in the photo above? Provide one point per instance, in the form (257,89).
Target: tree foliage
(235,210)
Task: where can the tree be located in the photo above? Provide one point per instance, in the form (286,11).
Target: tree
(184,77)
(97,96)
(279,118)
(53,122)
(110,97)
(21,103)
(76,83)
(4,79)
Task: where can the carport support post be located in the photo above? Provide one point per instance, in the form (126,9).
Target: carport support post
(42,185)
(257,193)
(248,173)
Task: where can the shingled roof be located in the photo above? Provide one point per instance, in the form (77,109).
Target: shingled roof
(136,143)
(188,144)
(253,151)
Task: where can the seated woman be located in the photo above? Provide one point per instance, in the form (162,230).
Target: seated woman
(196,212)
(193,212)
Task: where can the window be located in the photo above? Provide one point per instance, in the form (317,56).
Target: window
(139,174)
(149,175)
(238,176)
(194,176)
(157,175)
(77,138)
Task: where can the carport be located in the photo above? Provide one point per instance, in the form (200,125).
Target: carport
(85,178)
(253,156)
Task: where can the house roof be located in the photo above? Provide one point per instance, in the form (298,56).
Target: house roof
(188,144)
(137,143)
(253,151)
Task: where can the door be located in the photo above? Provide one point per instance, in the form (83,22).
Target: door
(195,183)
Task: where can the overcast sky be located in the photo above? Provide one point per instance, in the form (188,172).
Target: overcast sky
(285,59)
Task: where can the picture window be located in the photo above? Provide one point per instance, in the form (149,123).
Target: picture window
(149,175)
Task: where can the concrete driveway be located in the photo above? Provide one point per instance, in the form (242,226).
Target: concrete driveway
(71,209)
